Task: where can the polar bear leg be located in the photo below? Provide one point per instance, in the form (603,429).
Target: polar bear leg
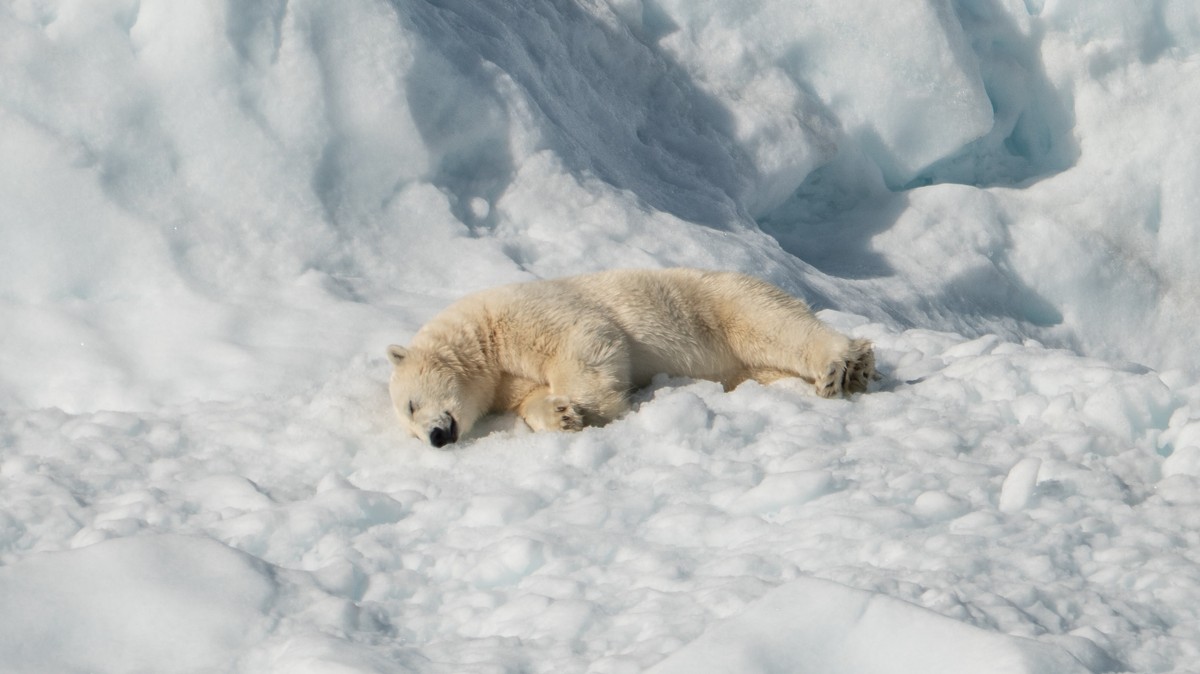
(600,391)
(576,396)
(600,397)
(796,342)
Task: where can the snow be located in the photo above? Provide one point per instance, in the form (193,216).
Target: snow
(215,216)
(168,603)
(846,630)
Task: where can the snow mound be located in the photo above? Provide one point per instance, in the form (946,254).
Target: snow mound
(174,603)
(819,67)
(1029,496)
(188,188)
(162,603)
(820,627)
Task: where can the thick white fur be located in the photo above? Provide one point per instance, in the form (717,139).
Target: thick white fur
(567,352)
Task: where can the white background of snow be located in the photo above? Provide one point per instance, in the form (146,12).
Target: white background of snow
(214,216)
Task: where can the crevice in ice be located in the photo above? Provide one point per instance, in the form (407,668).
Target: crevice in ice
(1032,133)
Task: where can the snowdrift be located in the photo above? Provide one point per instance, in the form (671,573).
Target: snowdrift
(817,626)
(188,187)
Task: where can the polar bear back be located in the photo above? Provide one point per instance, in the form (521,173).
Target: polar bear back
(685,322)
(678,321)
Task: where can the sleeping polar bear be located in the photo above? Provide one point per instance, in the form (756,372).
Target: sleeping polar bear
(566,353)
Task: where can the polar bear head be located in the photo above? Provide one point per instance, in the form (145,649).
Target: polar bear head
(431,396)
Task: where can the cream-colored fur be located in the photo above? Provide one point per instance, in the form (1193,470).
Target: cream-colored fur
(566,353)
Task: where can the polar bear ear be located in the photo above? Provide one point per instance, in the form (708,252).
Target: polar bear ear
(397,354)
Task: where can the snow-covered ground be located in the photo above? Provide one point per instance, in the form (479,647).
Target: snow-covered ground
(214,216)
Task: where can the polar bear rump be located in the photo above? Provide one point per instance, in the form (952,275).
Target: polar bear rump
(567,352)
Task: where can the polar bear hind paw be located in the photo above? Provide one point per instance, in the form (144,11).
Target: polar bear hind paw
(860,367)
(830,384)
(851,373)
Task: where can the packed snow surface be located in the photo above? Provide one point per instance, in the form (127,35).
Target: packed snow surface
(214,216)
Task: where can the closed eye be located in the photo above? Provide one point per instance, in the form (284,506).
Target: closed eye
(412,408)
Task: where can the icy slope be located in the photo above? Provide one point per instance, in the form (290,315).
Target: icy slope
(215,215)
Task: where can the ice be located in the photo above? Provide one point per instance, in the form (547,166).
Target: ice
(1019,485)
(816,70)
(214,216)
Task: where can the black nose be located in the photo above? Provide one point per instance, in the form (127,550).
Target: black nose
(440,436)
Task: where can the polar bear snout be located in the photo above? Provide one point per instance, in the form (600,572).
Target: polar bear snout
(444,430)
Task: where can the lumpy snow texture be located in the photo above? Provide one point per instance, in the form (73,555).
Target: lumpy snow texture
(214,216)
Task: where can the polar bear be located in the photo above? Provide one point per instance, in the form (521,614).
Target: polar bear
(567,352)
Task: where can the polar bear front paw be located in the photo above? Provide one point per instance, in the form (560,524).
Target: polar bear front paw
(552,413)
